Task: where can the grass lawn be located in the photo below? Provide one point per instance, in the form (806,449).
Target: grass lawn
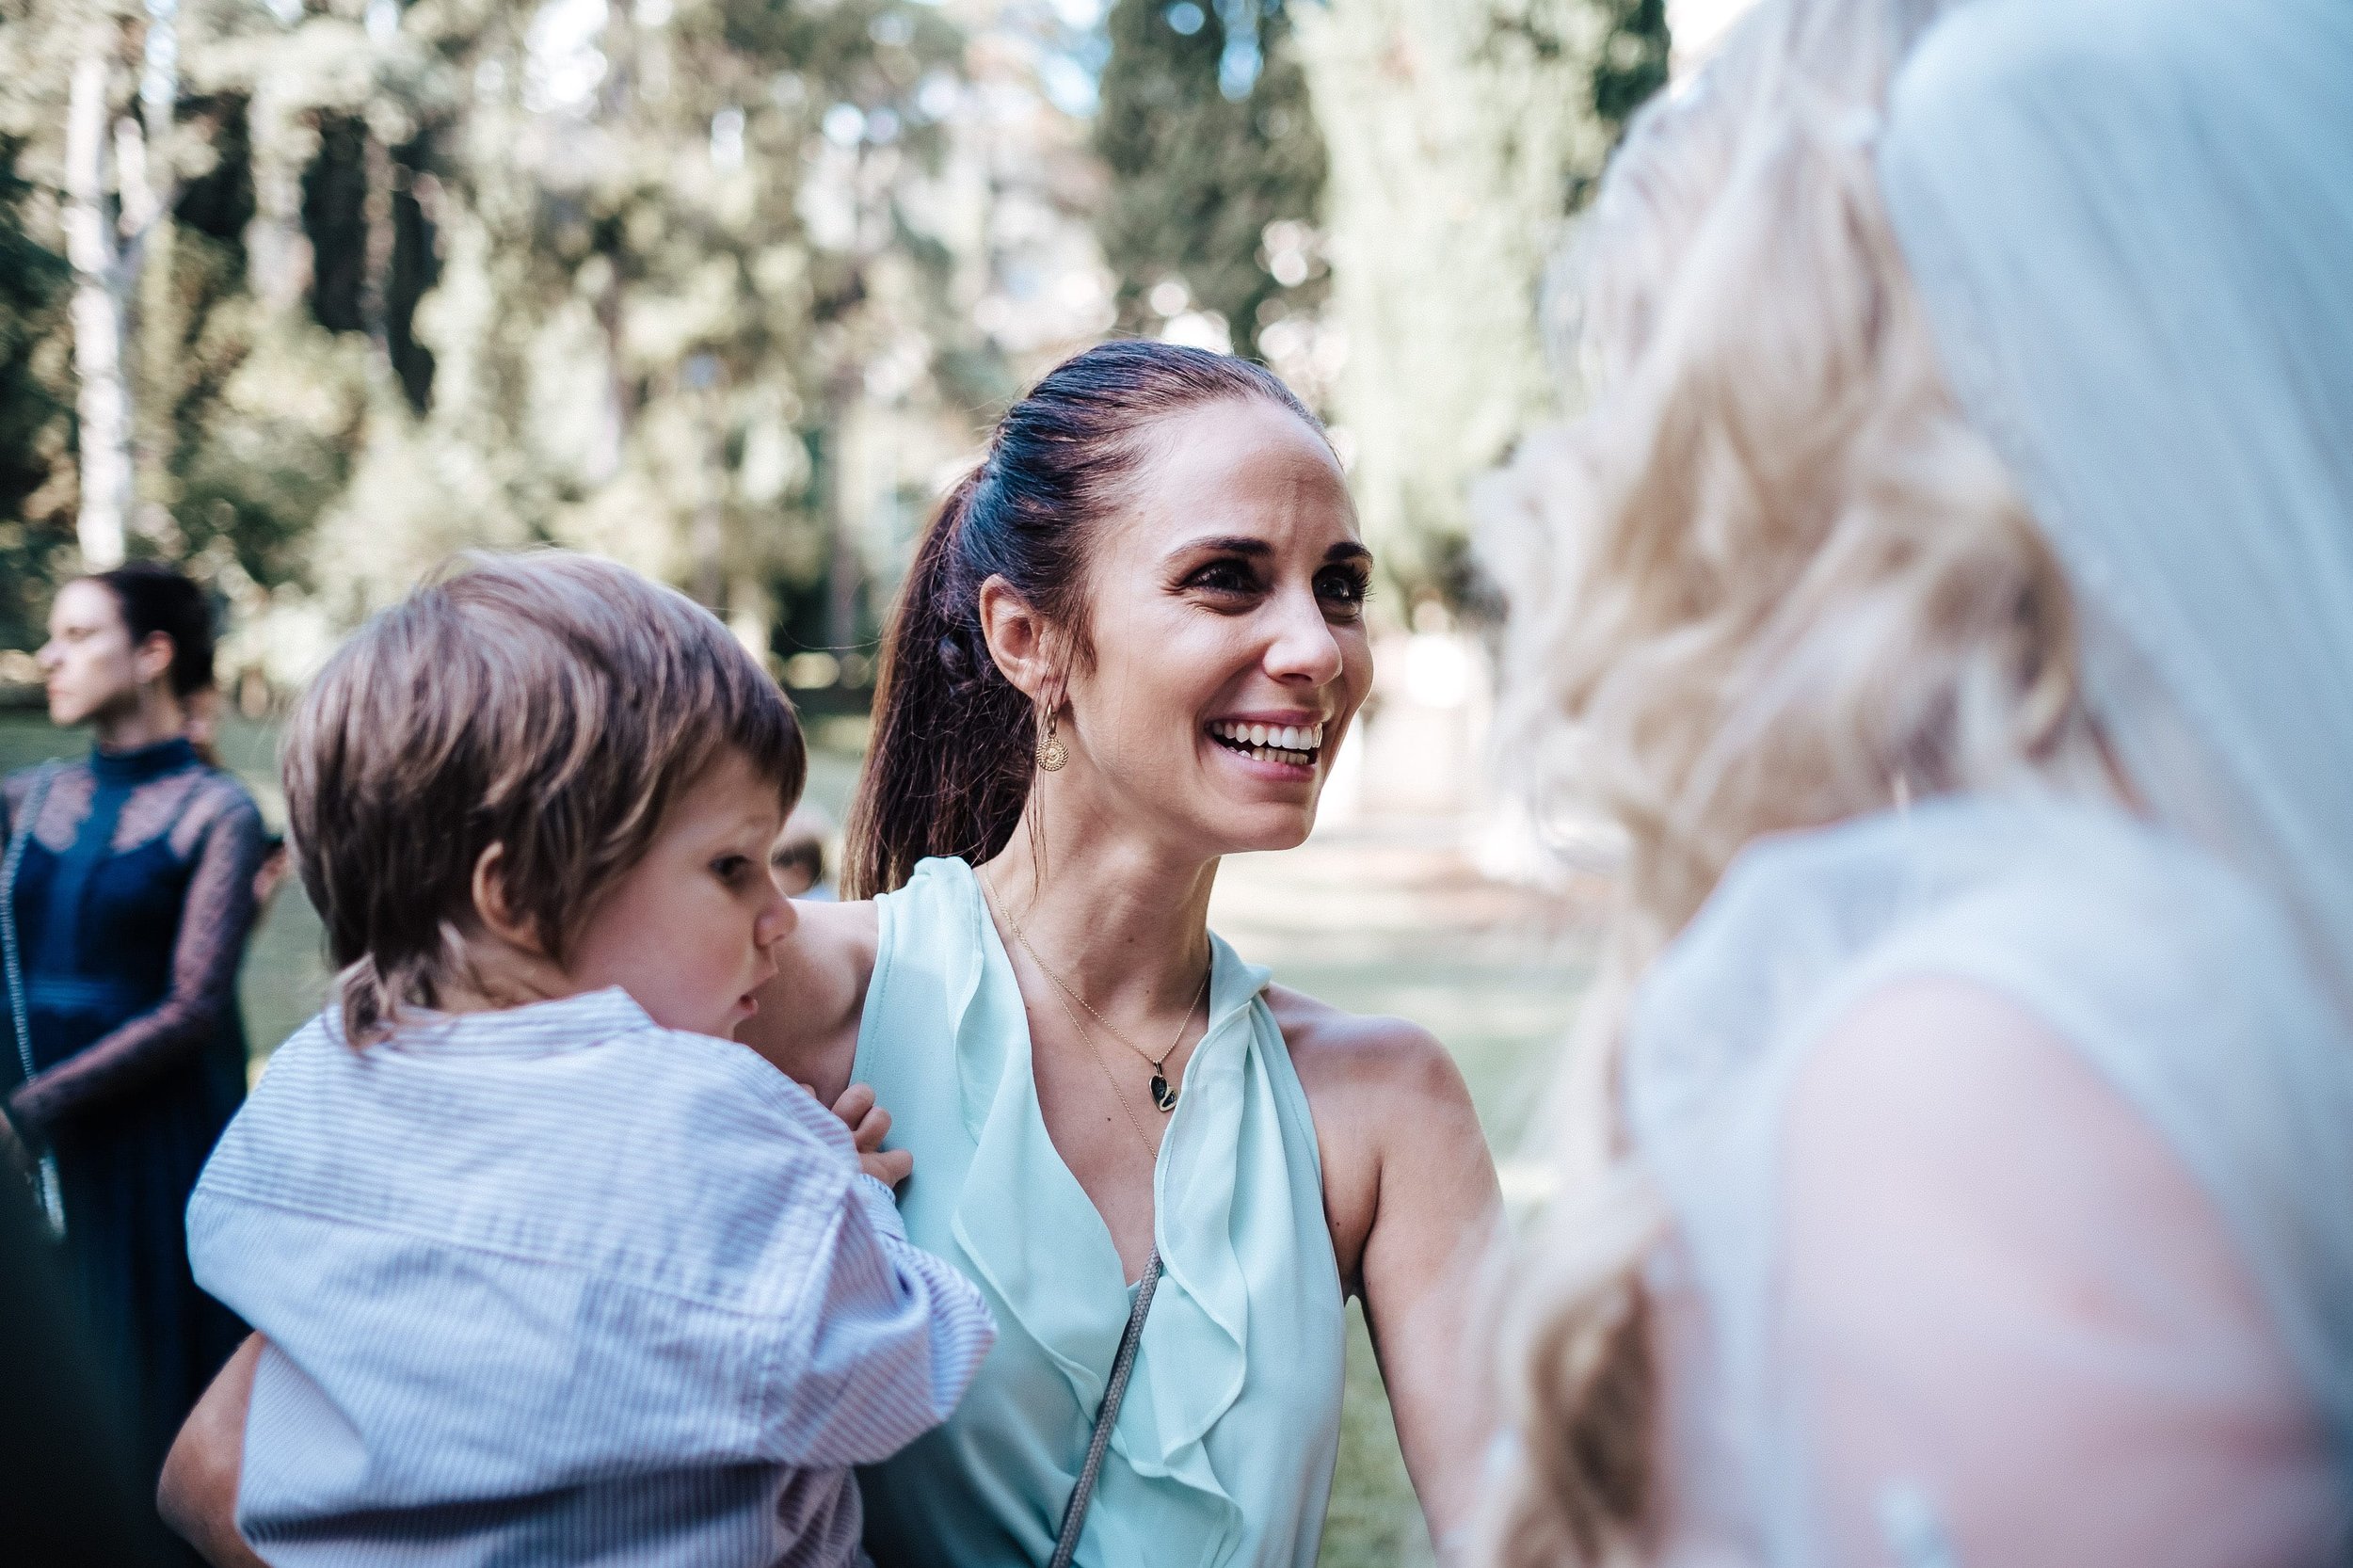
(1384,920)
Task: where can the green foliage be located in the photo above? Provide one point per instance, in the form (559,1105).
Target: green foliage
(1633,60)
(254,479)
(34,409)
(1197,175)
(632,331)
(503,271)
(1464,135)
(694,283)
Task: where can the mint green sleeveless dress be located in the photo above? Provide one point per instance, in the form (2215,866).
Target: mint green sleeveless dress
(1223,1450)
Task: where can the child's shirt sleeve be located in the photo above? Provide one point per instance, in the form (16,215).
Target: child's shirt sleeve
(494,1268)
(895,1336)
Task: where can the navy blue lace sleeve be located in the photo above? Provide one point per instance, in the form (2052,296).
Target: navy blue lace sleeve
(218,914)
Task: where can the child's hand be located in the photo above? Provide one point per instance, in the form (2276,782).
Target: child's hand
(869,1124)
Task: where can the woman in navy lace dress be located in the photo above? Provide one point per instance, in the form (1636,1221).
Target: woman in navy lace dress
(129,883)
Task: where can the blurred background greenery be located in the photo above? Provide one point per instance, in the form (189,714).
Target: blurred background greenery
(728,289)
(306,295)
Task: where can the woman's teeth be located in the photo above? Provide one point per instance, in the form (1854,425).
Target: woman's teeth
(1296,744)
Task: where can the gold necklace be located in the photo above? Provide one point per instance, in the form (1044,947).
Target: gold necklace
(1164,1092)
(1151,1153)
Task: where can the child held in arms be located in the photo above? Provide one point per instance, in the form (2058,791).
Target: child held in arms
(548,1269)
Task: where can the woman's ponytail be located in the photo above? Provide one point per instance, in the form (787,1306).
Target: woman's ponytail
(954,742)
(949,768)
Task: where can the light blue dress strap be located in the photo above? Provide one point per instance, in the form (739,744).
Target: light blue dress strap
(1225,1444)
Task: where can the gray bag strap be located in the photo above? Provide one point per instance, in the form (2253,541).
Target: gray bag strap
(1074,1514)
(46,1186)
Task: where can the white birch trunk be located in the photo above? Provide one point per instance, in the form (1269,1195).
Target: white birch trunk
(104,404)
(278,253)
(155,318)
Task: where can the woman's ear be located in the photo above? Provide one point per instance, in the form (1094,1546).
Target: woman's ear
(151,660)
(1026,649)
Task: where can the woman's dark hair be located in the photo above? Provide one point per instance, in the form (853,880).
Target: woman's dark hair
(156,597)
(955,741)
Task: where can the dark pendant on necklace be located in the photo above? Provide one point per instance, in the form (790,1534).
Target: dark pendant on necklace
(1162,1096)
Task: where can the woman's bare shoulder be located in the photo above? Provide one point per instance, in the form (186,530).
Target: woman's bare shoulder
(1387,1100)
(809,1013)
(1360,1054)
(844,930)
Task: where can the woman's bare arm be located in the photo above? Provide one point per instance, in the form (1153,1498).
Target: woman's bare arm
(809,1013)
(1410,1191)
(198,1495)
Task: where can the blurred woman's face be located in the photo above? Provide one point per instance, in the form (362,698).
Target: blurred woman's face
(89,664)
(1226,607)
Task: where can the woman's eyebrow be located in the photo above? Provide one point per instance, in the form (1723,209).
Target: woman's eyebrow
(1230,544)
(1243,544)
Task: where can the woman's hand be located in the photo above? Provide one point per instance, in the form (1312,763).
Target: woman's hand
(869,1125)
(198,1495)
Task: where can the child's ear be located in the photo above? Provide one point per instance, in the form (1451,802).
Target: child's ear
(491,907)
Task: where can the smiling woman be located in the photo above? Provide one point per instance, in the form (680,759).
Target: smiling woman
(1131,644)
(1112,500)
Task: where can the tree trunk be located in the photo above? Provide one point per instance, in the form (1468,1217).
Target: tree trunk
(157,322)
(846,509)
(618,415)
(104,404)
(376,210)
(278,252)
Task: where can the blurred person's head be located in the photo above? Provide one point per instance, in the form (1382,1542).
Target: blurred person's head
(539,775)
(798,858)
(128,649)
(1155,577)
(1772,581)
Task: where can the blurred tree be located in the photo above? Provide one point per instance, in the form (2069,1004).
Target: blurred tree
(178,298)
(605,272)
(1633,60)
(1206,126)
(34,531)
(1463,135)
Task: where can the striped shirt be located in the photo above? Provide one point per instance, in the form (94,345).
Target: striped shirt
(557,1285)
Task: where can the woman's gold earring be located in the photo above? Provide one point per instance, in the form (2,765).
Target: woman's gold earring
(1050,755)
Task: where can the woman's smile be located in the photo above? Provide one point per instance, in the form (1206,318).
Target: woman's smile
(1282,748)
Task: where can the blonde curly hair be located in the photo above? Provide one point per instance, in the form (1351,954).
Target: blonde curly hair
(1771,582)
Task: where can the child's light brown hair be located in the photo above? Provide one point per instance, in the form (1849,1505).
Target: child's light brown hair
(549,703)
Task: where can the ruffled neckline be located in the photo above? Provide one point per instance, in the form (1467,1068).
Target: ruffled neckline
(1029,1253)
